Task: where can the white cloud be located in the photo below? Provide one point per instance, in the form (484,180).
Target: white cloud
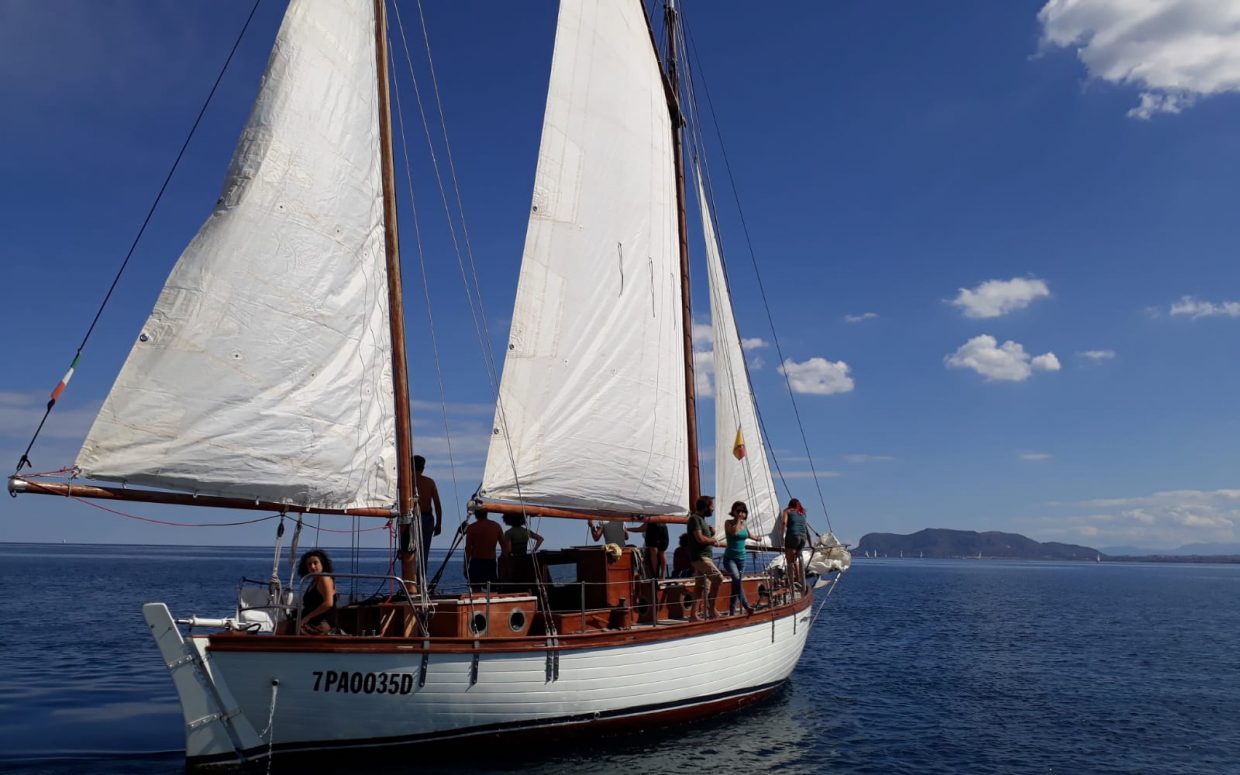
(754,343)
(1161,520)
(1174,50)
(1196,308)
(863,458)
(999,297)
(818,376)
(703,334)
(1008,362)
(1097,355)
(1045,362)
(703,374)
(1035,457)
(864,316)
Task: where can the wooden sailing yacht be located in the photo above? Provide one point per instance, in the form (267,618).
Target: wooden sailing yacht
(271,375)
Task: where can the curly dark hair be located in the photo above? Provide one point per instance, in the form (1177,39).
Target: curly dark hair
(514,520)
(305,561)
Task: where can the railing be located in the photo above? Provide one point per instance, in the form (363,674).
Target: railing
(399,584)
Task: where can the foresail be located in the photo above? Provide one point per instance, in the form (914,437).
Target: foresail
(592,402)
(264,370)
(742,472)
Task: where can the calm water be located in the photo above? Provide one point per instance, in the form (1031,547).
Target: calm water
(915,666)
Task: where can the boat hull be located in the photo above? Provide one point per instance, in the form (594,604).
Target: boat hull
(244,703)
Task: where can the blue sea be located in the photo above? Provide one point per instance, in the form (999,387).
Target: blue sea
(915,666)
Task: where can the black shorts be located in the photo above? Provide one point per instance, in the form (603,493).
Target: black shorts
(794,544)
(656,536)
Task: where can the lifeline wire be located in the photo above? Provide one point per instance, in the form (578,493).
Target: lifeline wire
(761,288)
(25,459)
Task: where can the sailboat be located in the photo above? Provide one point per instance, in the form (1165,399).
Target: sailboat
(229,399)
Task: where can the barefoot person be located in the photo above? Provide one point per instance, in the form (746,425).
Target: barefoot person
(796,538)
(701,544)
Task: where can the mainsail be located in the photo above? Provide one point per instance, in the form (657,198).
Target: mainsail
(740,474)
(264,370)
(591,410)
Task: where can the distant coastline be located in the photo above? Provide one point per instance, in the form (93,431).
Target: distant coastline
(946,544)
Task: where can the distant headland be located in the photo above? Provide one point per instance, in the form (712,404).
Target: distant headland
(941,543)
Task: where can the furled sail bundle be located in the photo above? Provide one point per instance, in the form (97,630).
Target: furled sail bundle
(264,370)
(742,472)
(591,410)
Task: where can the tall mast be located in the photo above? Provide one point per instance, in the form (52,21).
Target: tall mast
(695,484)
(396,304)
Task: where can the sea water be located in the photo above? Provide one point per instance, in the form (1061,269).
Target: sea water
(916,666)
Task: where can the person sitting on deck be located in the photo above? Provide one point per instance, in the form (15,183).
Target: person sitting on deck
(701,542)
(318,602)
(515,553)
(736,534)
(482,538)
(682,559)
(611,532)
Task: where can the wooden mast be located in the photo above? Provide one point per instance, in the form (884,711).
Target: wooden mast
(673,81)
(396,304)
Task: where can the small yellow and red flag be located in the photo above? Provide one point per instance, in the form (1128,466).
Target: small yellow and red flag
(738,447)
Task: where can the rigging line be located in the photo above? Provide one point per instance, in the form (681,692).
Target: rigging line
(482,330)
(706,190)
(426,288)
(758,275)
(25,459)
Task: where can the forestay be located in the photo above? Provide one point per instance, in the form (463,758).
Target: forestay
(747,477)
(592,401)
(265,369)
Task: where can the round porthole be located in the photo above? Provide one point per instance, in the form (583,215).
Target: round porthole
(478,624)
(763,591)
(516,620)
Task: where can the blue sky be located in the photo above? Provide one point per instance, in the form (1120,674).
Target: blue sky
(999,241)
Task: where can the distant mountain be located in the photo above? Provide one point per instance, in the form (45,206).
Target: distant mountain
(943,543)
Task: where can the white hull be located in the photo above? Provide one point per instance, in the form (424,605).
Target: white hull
(227,695)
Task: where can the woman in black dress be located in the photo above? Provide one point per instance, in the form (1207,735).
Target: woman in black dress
(318,602)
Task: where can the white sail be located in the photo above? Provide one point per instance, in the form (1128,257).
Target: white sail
(264,370)
(592,401)
(748,477)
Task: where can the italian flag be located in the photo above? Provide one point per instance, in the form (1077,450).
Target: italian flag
(64,381)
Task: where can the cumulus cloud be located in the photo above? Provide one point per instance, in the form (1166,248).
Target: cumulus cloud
(1194,308)
(864,316)
(704,359)
(999,297)
(1163,520)
(818,376)
(1175,51)
(1035,457)
(1005,363)
(1096,355)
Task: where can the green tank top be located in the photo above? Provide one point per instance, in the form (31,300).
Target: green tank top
(736,545)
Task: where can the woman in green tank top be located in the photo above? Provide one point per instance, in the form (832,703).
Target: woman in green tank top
(737,533)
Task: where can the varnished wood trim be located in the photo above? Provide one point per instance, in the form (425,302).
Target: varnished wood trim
(343,644)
